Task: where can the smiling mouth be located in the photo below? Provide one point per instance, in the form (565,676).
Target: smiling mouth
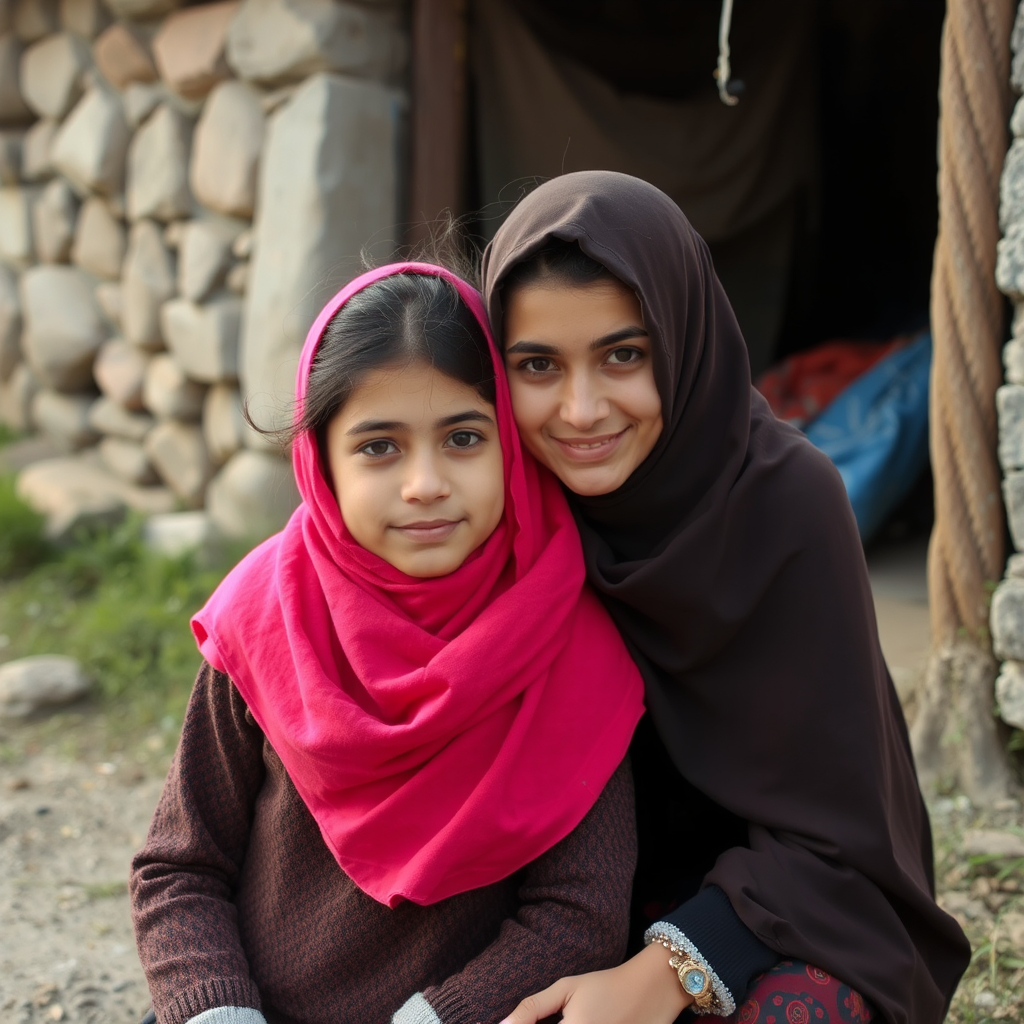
(429,531)
(590,449)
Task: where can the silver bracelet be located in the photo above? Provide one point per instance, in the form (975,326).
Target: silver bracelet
(671,936)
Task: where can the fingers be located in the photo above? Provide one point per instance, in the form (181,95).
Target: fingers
(543,1004)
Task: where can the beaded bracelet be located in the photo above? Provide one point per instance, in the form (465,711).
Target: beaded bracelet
(697,977)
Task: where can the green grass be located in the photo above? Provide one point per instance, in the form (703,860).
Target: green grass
(110,602)
(996,971)
(22,544)
(105,890)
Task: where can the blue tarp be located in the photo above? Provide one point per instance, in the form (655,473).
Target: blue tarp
(876,432)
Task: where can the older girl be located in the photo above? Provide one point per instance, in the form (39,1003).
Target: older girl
(780,822)
(398,793)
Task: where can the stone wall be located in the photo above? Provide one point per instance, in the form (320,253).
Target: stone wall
(180,190)
(1007,618)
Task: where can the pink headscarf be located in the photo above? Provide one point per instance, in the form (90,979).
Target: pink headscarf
(442,732)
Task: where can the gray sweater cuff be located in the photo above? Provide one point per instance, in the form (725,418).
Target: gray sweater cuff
(415,1010)
(229,1015)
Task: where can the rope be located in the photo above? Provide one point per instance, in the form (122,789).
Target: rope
(966,552)
(723,71)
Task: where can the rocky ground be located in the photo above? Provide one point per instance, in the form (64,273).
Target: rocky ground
(75,803)
(71,814)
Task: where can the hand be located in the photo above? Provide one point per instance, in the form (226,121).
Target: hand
(643,990)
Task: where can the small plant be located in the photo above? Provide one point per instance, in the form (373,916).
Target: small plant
(123,612)
(23,543)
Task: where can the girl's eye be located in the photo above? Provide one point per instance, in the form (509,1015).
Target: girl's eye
(378,449)
(624,356)
(538,364)
(464,439)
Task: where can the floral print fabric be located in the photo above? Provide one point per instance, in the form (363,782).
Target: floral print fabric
(794,992)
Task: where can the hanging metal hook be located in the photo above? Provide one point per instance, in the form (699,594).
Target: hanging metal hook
(723,71)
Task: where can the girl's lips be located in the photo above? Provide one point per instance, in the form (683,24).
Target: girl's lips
(431,531)
(589,449)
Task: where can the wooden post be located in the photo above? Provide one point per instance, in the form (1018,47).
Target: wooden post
(438,112)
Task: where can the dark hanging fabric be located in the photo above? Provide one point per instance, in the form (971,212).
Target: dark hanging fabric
(661,48)
(731,562)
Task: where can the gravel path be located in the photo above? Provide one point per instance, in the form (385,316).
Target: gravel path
(67,833)
(70,824)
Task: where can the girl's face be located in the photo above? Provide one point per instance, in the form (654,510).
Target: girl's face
(582,383)
(417,468)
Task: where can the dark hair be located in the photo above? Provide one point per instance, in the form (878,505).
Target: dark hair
(558,261)
(404,318)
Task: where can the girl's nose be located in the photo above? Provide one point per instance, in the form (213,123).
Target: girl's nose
(583,405)
(425,481)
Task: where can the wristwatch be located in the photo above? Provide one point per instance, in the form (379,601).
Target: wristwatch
(695,980)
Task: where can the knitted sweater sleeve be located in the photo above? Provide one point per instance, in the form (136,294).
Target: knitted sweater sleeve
(183,878)
(573,917)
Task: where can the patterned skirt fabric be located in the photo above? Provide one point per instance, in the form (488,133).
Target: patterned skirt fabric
(793,992)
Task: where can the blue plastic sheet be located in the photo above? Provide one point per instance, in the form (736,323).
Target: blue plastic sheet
(876,432)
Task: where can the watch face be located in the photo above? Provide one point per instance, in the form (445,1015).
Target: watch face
(695,981)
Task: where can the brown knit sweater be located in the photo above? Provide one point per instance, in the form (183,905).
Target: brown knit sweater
(237,901)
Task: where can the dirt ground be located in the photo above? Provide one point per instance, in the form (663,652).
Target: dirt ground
(74,807)
(68,828)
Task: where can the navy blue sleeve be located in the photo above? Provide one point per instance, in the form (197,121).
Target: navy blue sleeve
(732,950)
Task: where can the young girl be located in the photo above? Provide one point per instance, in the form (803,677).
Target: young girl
(785,850)
(399,791)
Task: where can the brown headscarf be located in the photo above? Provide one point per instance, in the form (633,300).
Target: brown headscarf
(731,562)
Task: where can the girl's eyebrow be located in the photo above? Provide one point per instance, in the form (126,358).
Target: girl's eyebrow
(539,348)
(373,426)
(472,415)
(370,426)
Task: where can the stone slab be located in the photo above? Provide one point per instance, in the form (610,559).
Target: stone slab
(1010,694)
(64,326)
(1007,620)
(226,152)
(328,185)
(174,534)
(168,393)
(148,282)
(158,160)
(127,460)
(51,74)
(1010,411)
(16,394)
(54,216)
(122,56)
(100,243)
(252,496)
(107,417)
(203,338)
(16,236)
(120,370)
(90,147)
(36,150)
(204,255)
(189,47)
(279,41)
(224,426)
(179,455)
(40,682)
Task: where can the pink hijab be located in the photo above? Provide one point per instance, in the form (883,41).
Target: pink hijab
(442,732)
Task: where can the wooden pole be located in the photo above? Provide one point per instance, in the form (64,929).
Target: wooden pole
(438,112)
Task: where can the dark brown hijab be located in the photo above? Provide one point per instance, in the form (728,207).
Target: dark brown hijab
(731,562)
